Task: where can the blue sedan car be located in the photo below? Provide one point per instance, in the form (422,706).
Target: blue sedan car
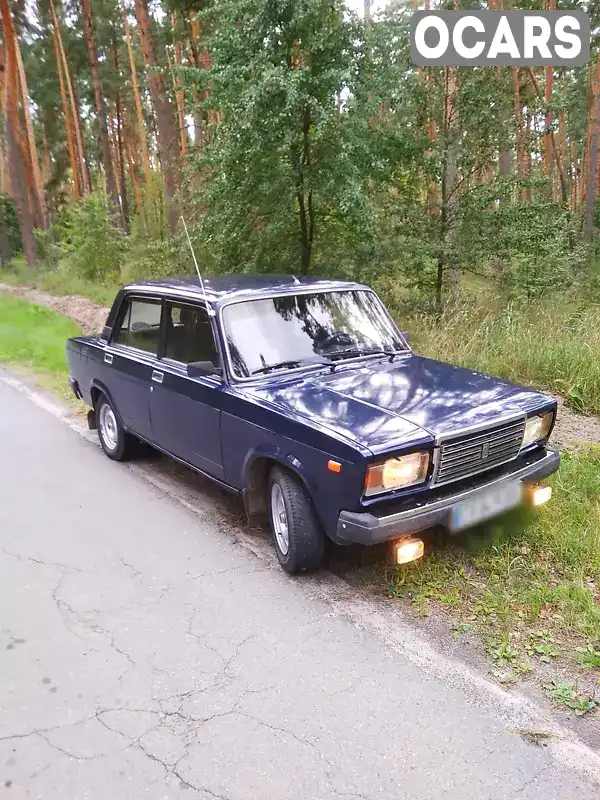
(304,397)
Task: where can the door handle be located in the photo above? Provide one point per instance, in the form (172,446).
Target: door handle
(108,359)
(157,376)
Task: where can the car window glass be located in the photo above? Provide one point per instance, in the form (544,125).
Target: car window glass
(140,327)
(290,329)
(189,334)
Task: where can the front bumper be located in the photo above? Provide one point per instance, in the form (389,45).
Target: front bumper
(435,509)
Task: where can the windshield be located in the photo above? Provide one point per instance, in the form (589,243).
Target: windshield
(298,330)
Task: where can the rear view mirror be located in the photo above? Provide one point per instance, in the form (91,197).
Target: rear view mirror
(406,335)
(202,369)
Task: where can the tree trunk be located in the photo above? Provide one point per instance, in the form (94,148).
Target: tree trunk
(450,200)
(562,135)
(505,158)
(549,5)
(79,148)
(38,185)
(195,59)
(88,30)
(574,177)
(305,201)
(120,149)
(15,154)
(4,174)
(138,108)
(168,149)
(71,144)
(122,181)
(134,175)
(183,140)
(553,147)
(592,160)
(47,164)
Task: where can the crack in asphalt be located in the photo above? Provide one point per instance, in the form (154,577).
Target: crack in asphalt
(54,564)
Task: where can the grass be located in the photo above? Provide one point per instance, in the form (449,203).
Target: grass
(551,345)
(34,338)
(59,282)
(530,585)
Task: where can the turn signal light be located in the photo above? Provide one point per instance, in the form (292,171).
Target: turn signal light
(540,495)
(407,550)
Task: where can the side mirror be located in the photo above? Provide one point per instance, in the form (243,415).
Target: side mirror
(406,335)
(202,369)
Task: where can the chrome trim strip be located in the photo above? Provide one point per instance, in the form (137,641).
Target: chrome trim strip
(482,426)
(455,498)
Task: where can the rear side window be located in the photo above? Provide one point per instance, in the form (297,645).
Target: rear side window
(139,325)
(189,334)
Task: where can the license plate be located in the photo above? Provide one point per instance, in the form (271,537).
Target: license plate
(486,505)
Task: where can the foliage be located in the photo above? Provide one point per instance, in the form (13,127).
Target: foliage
(285,187)
(11,222)
(155,258)
(565,694)
(90,241)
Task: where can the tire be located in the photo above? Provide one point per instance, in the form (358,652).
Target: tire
(116,442)
(305,539)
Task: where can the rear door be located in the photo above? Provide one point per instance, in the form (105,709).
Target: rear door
(185,412)
(130,358)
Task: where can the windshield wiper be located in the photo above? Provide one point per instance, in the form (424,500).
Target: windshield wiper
(353,352)
(291,362)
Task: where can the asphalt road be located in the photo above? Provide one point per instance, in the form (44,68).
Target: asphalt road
(145,653)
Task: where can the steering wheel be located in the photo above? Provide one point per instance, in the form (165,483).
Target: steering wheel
(337,339)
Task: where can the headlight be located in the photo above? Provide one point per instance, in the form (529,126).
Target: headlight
(537,428)
(396,473)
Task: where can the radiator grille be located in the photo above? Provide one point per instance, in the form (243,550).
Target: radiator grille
(467,454)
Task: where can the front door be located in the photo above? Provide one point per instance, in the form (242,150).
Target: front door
(185,412)
(130,358)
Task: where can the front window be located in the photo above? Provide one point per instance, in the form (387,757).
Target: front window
(300,330)
(189,335)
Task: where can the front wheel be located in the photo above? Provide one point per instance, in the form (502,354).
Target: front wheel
(297,533)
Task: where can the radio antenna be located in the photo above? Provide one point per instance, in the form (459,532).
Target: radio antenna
(209,310)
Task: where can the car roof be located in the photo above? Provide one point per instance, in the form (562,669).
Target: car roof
(221,288)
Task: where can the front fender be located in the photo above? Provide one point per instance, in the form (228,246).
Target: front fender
(255,472)
(329,491)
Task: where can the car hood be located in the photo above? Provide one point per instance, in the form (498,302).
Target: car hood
(384,406)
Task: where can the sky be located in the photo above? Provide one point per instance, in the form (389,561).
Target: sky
(358,5)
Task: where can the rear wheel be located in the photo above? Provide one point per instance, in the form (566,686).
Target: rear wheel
(297,533)
(116,442)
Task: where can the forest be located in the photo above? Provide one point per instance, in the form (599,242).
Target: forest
(296,136)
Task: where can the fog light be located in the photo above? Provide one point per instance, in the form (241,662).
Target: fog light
(407,550)
(541,494)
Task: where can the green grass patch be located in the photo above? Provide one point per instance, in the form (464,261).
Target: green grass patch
(34,338)
(554,345)
(530,582)
(59,282)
